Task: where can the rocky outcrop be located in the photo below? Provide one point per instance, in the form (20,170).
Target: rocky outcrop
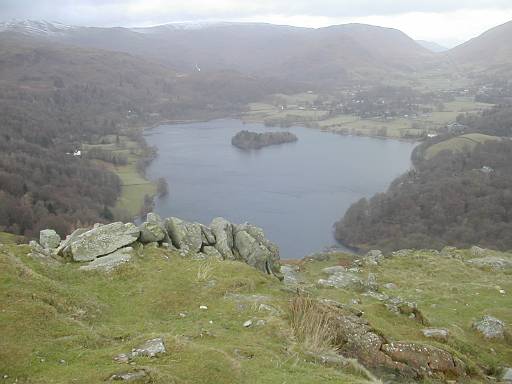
(254,249)
(185,236)
(356,338)
(223,232)
(107,246)
(101,241)
(338,277)
(494,263)
(253,140)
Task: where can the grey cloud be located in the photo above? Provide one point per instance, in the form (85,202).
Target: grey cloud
(133,12)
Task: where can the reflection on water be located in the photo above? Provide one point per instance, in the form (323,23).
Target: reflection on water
(295,191)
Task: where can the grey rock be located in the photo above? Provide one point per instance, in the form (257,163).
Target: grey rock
(291,275)
(37,250)
(490,327)
(478,252)
(49,239)
(257,251)
(247,324)
(111,261)
(390,286)
(150,348)
(223,232)
(494,263)
(273,311)
(342,280)
(207,236)
(373,257)
(439,334)
(101,241)
(333,270)
(211,252)
(133,376)
(68,240)
(371,282)
(153,229)
(507,375)
(448,252)
(185,236)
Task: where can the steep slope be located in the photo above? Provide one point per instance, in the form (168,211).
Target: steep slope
(490,50)
(337,53)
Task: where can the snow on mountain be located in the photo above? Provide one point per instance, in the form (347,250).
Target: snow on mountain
(35,27)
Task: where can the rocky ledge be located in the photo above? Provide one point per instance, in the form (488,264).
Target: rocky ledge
(253,140)
(107,246)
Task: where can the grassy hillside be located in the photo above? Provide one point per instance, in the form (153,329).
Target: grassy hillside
(62,325)
(458,144)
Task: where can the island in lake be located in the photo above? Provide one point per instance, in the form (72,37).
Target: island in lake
(253,140)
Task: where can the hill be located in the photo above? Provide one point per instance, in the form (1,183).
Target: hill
(490,51)
(456,198)
(334,54)
(459,144)
(168,316)
(57,99)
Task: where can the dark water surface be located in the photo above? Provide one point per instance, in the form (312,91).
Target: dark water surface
(294,191)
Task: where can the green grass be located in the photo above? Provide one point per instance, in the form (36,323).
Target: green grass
(134,185)
(399,127)
(449,293)
(9,238)
(459,143)
(53,313)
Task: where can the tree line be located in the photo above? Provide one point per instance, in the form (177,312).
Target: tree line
(461,199)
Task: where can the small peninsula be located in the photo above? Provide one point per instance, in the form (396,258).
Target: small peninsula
(253,140)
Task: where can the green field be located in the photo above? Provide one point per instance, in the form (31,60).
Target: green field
(459,143)
(400,127)
(134,185)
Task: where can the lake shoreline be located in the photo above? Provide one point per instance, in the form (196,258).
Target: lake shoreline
(217,125)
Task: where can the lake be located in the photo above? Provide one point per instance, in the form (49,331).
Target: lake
(294,191)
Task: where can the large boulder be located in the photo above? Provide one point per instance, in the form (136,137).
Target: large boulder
(153,230)
(111,261)
(425,360)
(49,239)
(207,236)
(256,250)
(342,279)
(223,232)
(490,328)
(355,338)
(100,241)
(184,235)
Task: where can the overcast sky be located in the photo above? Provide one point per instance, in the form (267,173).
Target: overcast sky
(447,22)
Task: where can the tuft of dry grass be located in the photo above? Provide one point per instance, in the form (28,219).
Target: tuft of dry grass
(204,272)
(313,324)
